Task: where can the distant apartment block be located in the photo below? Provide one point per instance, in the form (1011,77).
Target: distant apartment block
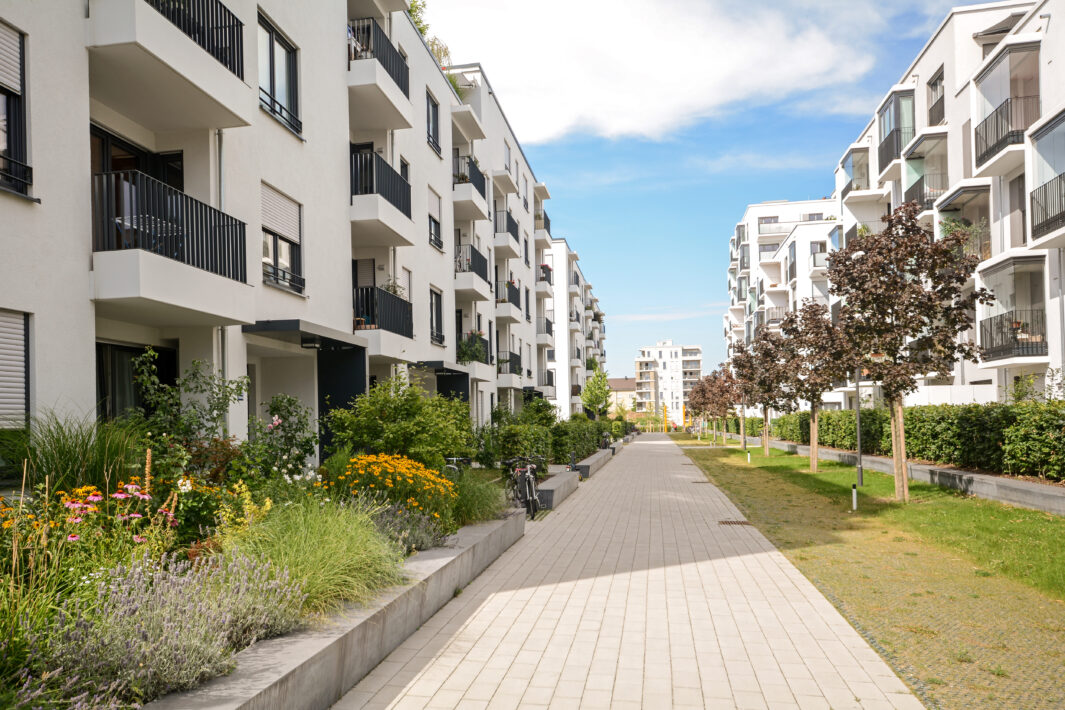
(665,375)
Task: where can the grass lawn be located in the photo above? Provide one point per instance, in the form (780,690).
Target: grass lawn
(963,596)
(685,439)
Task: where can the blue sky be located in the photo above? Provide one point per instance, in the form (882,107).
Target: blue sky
(653,146)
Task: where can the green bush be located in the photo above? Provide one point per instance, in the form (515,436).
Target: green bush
(792,427)
(1034,444)
(578,435)
(969,435)
(527,440)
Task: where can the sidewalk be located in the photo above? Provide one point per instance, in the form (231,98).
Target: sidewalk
(632,594)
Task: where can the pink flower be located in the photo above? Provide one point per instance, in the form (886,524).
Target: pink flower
(73,538)
(95,498)
(143,496)
(120,495)
(139,538)
(173,523)
(131,487)
(75,519)
(135,515)
(121,516)
(73,504)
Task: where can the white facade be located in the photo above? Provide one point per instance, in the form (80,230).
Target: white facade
(665,375)
(278,202)
(973,132)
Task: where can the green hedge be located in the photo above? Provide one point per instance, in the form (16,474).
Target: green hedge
(529,440)
(580,435)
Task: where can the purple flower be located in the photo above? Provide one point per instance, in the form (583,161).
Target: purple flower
(143,496)
(139,538)
(120,495)
(135,515)
(74,519)
(132,487)
(95,498)
(73,538)
(74,505)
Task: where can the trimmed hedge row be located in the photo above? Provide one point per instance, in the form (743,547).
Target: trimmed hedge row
(1024,439)
(578,435)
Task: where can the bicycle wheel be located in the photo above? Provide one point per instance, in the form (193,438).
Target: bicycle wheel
(532,505)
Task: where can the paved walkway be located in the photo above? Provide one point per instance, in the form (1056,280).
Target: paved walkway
(633,595)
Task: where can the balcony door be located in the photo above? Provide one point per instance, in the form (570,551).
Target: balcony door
(109,153)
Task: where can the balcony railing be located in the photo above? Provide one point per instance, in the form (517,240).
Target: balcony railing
(544,326)
(15,175)
(856,184)
(475,348)
(1048,207)
(775,315)
(366,40)
(283,278)
(509,363)
(574,390)
(936,112)
(892,145)
(211,25)
(507,292)
(505,222)
(1006,125)
(819,260)
(372,175)
(134,211)
(1014,334)
(466,170)
(436,336)
(376,308)
(927,189)
(545,378)
(546,274)
(543,222)
(978,244)
(745,262)
(469,260)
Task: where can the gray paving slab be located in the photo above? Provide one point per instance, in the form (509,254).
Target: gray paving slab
(634,595)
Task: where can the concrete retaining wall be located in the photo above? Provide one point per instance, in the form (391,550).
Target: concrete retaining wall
(312,669)
(1037,496)
(557,488)
(594,462)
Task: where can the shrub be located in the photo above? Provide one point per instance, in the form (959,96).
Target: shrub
(395,417)
(1034,444)
(280,447)
(792,427)
(539,412)
(528,440)
(578,435)
(156,627)
(401,480)
(477,498)
(335,552)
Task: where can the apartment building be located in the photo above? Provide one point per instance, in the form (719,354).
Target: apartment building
(665,375)
(292,192)
(579,328)
(973,132)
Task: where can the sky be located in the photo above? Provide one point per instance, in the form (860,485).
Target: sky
(655,122)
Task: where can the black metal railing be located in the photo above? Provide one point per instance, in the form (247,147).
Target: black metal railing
(436,336)
(775,315)
(849,236)
(209,24)
(134,211)
(509,363)
(574,390)
(280,109)
(927,189)
(378,308)
(465,170)
(283,278)
(543,222)
(15,175)
(478,348)
(434,233)
(1048,207)
(546,274)
(469,260)
(366,40)
(856,184)
(575,279)
(892,145)
(936,112)
(978,244)
(505,222)
(545,378)
(1005,126)
(372,175)
(544,326)
(507,292)
(1014,334)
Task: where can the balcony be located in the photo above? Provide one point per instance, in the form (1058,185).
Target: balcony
(1014,334)
(507,245)
(378,309)
(508,302)
(542,226)
(509,363)
(858,184)
(544,281)
(162,257)
(545,332)
(380,203)
(545,379)
(774,316)
(818,263)
(468,190)
(378,80)
(471,274)
(1048,207)
(169,66)
(504,182)
(891,148)
(926,190)
(575,391)
(1004,127)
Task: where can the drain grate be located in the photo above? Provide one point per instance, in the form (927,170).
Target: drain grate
(700,481)
(733,522)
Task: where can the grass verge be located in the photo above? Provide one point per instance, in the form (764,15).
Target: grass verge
(963,596)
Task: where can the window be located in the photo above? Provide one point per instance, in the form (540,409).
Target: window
(528,316)
(813,217)
(282,227)
(432,121)
(404,170)
(769,220)
(15,174)
(525,190)
(434,220)
(526,248)
(278,87)
(436,317)
(935,99)
(506,155)
(14,375)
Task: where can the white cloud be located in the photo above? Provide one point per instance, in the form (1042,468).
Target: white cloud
(671,314)
(758,162)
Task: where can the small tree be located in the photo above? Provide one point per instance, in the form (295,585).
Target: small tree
(766,377)
(596,393)
(905,304)
(722,395)
(820,354)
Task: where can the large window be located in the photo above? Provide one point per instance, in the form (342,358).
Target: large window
(282,227)
(116,390)
(435,237)
(432,121)
(15,173)
(436,317)
(278,86)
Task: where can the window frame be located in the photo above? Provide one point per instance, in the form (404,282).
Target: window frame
(289,280)
(287,115)
(432,122)
(436,317)
(15,153)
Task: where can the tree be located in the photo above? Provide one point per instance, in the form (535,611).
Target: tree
(765,377)
(723,395)
(417,16)
(596,393)
(820,354)
(905,304)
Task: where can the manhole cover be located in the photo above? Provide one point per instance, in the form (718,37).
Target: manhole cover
(733,522)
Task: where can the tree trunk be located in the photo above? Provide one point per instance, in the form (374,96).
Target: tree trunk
(896,450)
(815,412)
(743,427)
(900,453)
(765,431)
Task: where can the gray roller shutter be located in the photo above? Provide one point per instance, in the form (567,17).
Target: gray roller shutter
(13,404)
(281,214)
(10,59)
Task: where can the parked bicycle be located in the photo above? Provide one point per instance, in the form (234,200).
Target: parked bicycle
(455,465)
(523,484)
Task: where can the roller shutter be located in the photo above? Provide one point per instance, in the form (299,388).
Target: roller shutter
(281,214)
(13,359)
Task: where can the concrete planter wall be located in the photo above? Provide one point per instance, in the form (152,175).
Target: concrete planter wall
(312,669)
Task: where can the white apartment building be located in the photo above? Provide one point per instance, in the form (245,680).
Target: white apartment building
(264,194)
(665,375)
(973,131)
(574,315)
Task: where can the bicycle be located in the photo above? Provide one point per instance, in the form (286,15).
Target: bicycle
(523,484)
(452,466)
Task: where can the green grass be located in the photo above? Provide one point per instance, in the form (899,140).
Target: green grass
(336,552)
(479,497)
(685,439)
(1025,545)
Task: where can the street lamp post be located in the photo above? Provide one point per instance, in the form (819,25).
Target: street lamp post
(858,417)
